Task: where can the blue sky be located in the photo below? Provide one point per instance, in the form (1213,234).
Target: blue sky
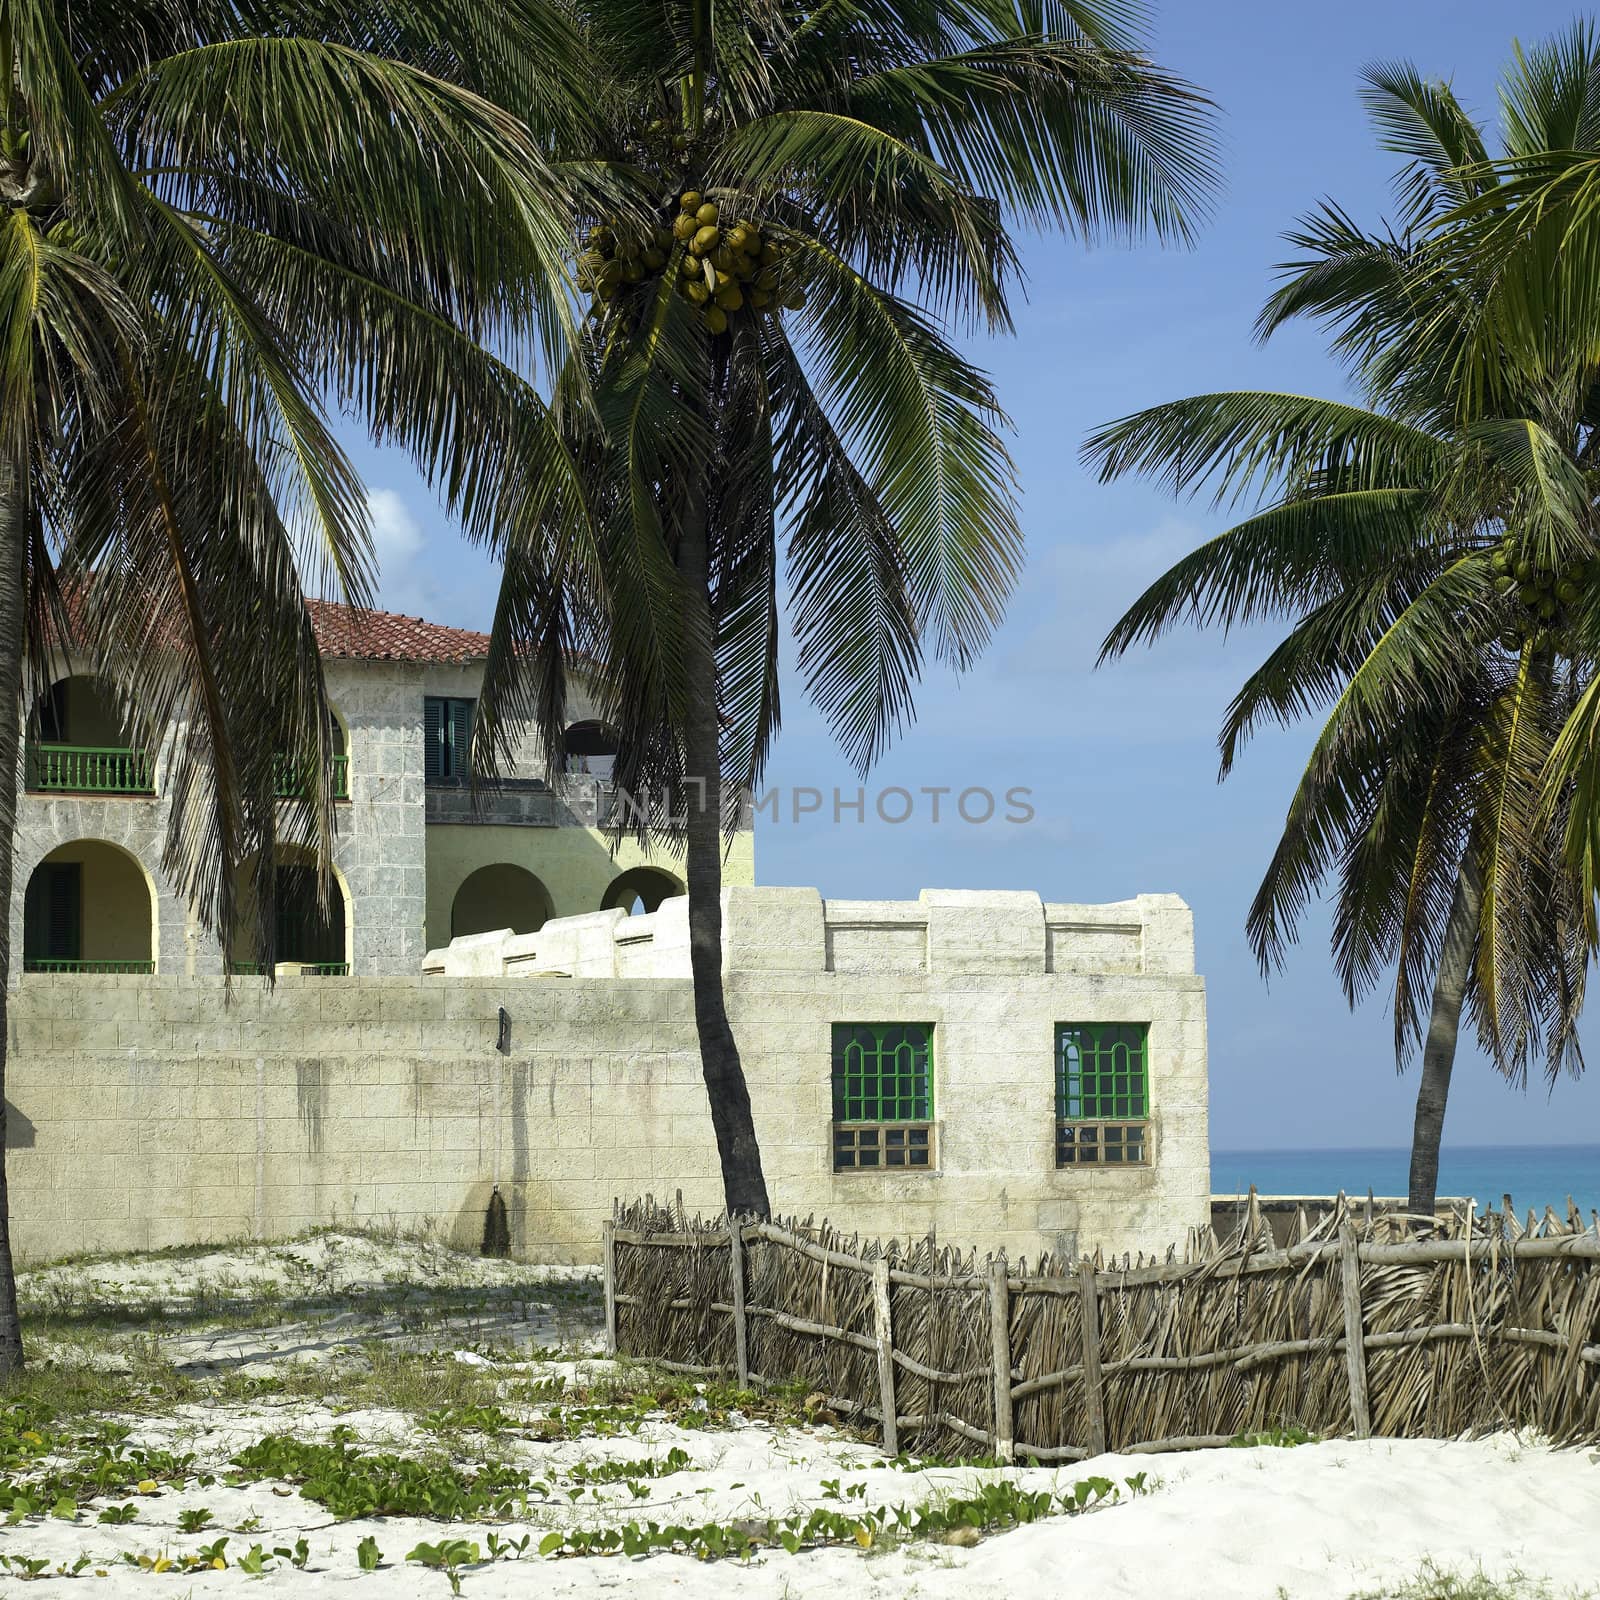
(1122,761)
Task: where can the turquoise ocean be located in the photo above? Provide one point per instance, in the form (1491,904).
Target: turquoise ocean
(1533,1175)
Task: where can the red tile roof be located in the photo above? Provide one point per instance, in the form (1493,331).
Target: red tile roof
(388,636)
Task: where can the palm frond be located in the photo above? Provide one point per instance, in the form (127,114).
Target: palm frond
(921,424)
(1421,119)
(1293,556)
(1244,443)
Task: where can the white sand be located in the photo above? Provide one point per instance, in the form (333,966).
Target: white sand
(321,1298)
(1319,1522)
(321,1264)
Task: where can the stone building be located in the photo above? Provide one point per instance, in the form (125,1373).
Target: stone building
(1004,1071)
(499,998)
(414,862)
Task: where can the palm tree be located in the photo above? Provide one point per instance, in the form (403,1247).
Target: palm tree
(1435,552)
(215,217)
(1534,238)
(812,190)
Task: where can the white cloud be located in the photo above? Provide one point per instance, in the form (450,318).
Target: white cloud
(395,532)
(397,540)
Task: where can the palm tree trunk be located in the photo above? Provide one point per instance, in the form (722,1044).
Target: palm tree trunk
(1439,1052)
(743,1186)
(13,573)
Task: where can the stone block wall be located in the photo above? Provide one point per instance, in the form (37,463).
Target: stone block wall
(149,1112)
(381,848)
(401,850)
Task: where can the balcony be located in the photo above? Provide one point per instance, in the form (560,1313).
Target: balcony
(306,969)
(291,784)
(65,965)
(87,769)
(89,908)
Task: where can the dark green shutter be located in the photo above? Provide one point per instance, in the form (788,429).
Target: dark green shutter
(461,737)
(303,932)
(66,911)
(447,736)
(52,913)
(289,914)
(433,731)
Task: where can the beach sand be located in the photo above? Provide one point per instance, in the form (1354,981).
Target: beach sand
(1321,1520)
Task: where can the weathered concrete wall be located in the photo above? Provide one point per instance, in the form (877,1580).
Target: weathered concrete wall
(149,1112)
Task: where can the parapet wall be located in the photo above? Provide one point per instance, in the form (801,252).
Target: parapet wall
(158,1111)
(944,933)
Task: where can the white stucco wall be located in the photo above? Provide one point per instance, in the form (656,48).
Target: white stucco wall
(148,1112)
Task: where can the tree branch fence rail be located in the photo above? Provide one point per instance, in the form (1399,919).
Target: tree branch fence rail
(1363,1324)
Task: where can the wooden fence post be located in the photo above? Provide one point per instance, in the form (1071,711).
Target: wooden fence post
(1093,1391)
(609,1233)
(1000,1347)
(883,1333)
(741,1336)
(1355,1350)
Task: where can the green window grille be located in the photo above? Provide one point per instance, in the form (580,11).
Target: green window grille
(882,1095)
(447,737)
(1102,1093)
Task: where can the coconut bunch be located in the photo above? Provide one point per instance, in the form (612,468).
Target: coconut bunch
(1539,598)
(615,255)
(722,270)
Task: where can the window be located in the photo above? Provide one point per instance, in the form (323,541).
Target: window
(304,931)
(589,748)
(882,1096)
(447,737)
(1102,1094)
(52,914)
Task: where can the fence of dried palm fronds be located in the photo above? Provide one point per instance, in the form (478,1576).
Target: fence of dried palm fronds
(1362,1324)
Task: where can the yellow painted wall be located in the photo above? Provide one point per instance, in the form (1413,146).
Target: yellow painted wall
(118,908)
(575,865)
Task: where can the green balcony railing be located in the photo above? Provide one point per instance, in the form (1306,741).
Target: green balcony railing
(308,969)
(59,964)
(82,769)
(292,784)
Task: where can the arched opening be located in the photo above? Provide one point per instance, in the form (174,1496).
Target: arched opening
(589,748)
(77,743)
(500,896)
(89,907)
(640,890)
(306,937)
